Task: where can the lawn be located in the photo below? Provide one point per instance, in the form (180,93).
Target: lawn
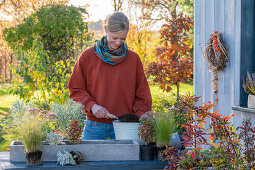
(163,99)
(6,100)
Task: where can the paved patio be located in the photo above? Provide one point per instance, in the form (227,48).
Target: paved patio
(106,165)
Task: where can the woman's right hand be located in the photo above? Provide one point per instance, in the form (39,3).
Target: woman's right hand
(99,111)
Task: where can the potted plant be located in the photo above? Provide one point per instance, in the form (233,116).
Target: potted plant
(164,128)
(125,128)
(249,87)
(31,134)
(146,132)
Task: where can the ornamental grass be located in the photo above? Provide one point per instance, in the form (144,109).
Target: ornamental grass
(31,133)
(165,126)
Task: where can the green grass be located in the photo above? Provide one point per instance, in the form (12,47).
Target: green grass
(6,100)
(165,99)
(8,137)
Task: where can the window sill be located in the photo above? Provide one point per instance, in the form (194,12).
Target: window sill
(243,109)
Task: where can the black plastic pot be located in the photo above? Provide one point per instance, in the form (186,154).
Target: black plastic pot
(159,152)
(147,152)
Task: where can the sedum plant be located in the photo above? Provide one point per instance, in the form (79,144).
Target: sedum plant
(249,83)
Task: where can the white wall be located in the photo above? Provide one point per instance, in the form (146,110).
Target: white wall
(223,16)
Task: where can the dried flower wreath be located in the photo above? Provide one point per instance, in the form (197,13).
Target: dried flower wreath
(216,56)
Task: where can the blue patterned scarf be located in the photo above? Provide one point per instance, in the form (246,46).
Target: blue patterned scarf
(103,52)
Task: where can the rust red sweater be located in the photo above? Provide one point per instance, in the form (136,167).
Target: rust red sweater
(121,89)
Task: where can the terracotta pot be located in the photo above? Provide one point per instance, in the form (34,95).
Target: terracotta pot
(33,158)
(251,101)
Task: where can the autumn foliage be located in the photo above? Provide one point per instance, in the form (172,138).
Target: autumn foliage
(175,64)
(213,139)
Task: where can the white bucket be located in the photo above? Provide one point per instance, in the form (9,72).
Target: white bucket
(126,130)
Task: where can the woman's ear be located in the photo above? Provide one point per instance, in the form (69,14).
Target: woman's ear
(105,29)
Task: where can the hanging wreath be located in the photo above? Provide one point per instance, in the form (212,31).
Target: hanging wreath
(216,56)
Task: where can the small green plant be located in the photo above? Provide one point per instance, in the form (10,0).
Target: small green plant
(73,132)
(146,129)
(53,138)
(19,108)
(164,128)
(67,112)
(31,132)
(65,158)
(249,83)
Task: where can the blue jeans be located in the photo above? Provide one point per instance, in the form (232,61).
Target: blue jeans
(97,131)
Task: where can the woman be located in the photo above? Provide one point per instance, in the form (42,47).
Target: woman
(108,79)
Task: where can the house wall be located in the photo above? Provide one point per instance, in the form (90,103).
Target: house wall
(247,44)
(223,16)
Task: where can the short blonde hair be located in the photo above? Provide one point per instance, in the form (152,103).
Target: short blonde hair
(116,22)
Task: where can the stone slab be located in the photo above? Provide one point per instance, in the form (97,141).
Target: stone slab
(5,164)
(101,150)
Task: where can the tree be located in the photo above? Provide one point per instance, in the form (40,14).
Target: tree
(143,42)
(12,13)
(117,4)
(16,10)
(161,9)
(47,44)
(141,38)
(173,69)
(57,27)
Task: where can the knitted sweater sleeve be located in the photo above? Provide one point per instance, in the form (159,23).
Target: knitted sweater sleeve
(77,85)
(143,101)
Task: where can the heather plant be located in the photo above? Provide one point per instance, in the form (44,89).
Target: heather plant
(146,129)
(249,83)
(73,132)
